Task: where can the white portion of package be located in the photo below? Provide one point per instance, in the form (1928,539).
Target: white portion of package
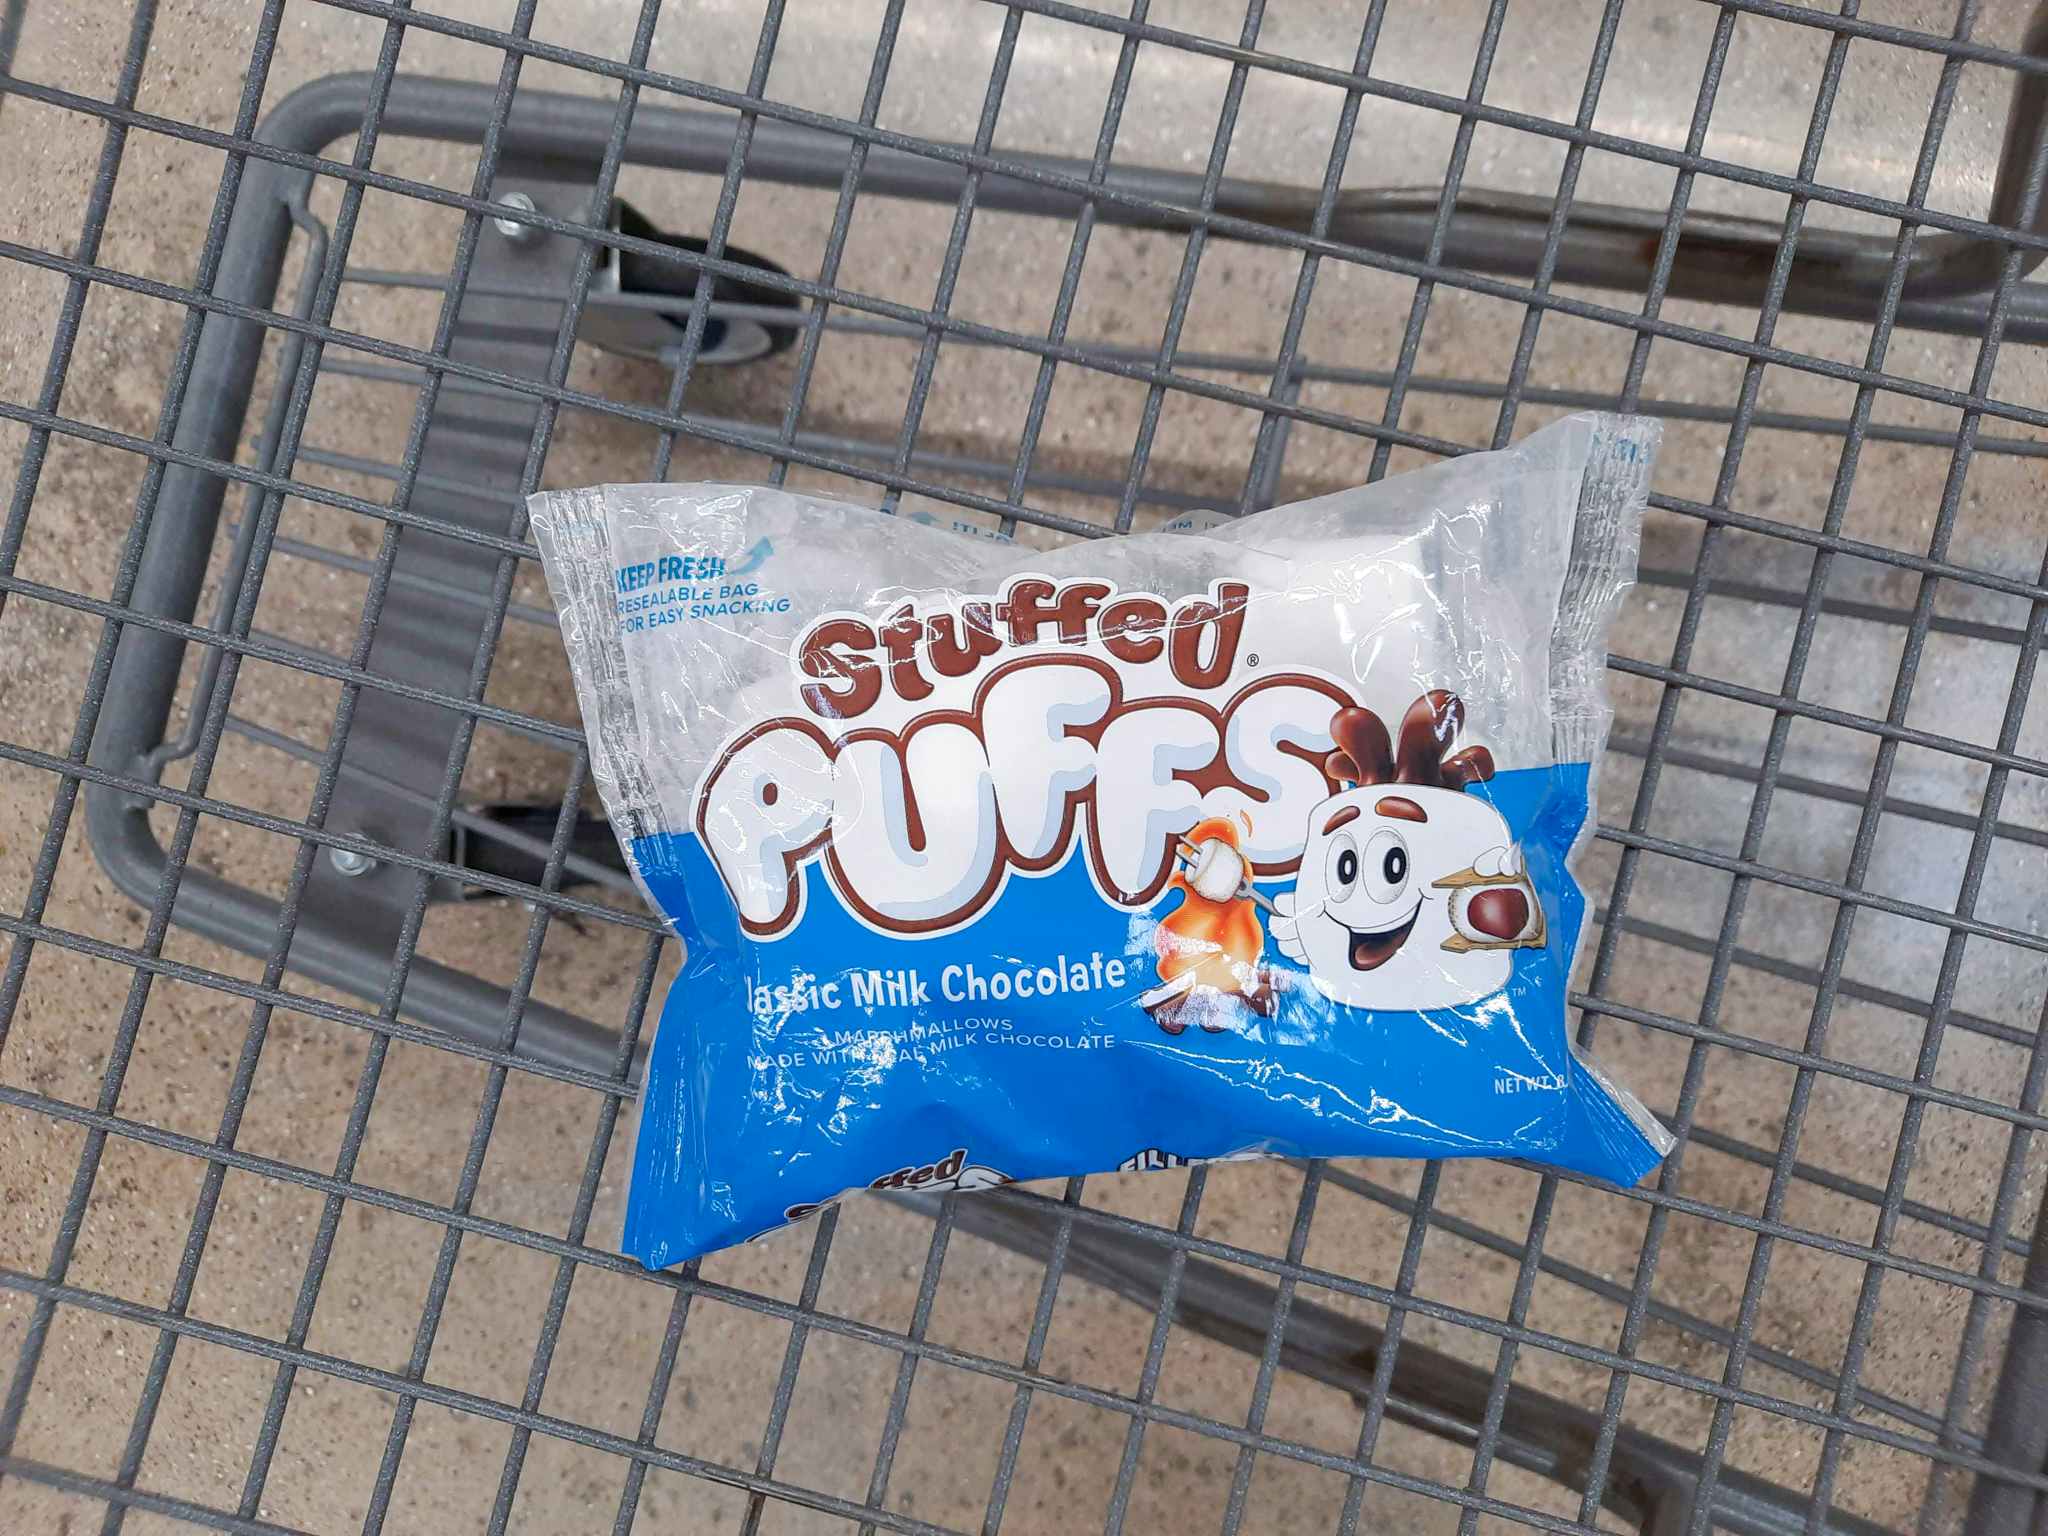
(1490,576)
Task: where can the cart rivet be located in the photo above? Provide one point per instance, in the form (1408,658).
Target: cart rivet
(350,862)
(512,229)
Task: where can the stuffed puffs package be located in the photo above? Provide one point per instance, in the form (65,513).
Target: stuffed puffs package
(1236,838)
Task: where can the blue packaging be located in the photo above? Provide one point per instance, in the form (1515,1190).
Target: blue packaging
(1235,838)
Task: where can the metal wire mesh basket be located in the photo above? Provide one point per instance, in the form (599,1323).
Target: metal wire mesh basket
(310,1126)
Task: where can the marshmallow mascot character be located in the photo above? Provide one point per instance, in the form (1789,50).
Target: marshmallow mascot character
(1411,892)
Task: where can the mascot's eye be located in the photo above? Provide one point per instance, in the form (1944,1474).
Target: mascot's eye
(1386,866)
(1343,873)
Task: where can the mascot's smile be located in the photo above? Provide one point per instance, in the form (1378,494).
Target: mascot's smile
(1374,947)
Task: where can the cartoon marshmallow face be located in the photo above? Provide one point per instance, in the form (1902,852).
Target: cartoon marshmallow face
(1390,909)
(1411,894)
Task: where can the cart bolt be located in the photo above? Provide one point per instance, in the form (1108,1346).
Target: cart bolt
(350,862)
(512,229)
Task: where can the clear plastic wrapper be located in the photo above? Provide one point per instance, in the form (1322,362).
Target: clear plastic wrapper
(1238,838)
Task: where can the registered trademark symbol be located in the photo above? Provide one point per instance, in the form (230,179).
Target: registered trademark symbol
(1252,660)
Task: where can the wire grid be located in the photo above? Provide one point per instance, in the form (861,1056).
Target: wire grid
(1849,1413)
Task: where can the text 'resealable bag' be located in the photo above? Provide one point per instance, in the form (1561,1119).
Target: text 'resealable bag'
(1235,838)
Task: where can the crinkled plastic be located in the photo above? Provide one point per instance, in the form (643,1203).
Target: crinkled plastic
(1000,863)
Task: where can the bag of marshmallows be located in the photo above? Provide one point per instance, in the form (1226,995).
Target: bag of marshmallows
(1236,838)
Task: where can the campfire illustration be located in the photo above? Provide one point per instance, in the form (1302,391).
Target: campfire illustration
(1209,946)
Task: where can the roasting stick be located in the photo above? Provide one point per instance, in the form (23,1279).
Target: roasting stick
(1217,872)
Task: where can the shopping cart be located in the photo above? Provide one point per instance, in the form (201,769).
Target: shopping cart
(314,725)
